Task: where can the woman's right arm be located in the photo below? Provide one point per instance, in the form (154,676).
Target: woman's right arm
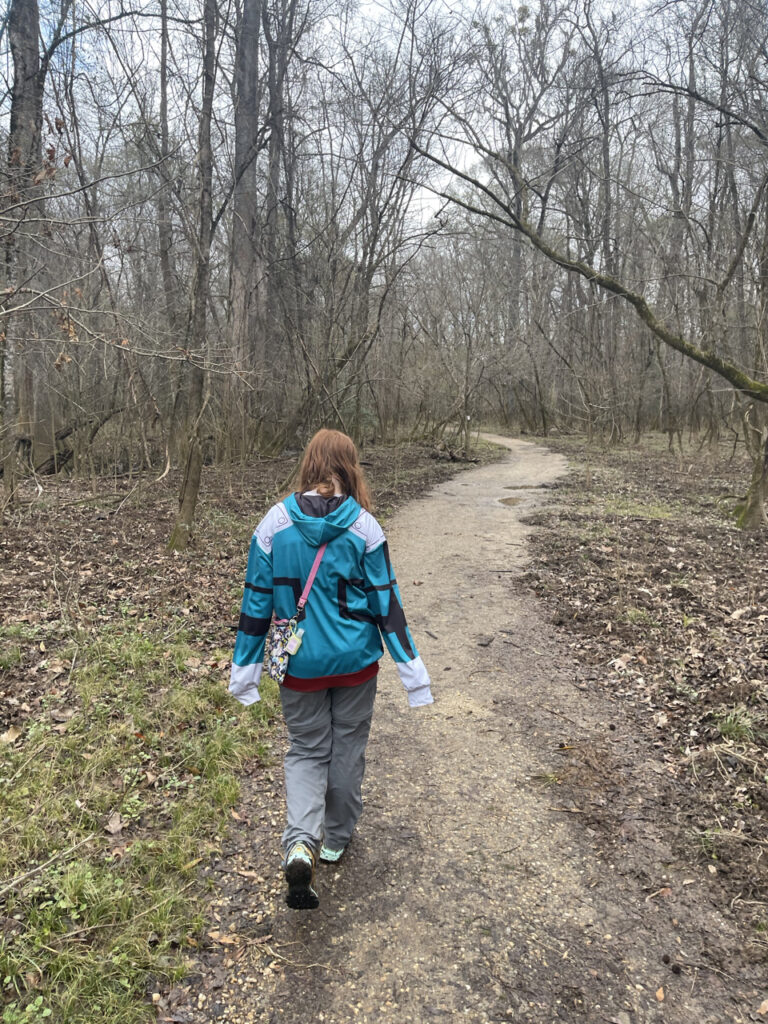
(255,620)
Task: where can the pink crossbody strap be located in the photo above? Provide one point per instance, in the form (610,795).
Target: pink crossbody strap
(311,577)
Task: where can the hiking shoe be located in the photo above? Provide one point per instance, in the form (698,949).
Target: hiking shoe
(300,874)
(329,856)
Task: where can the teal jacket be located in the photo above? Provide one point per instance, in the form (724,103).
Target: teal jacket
(353,604)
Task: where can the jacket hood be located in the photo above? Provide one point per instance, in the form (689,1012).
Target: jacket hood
(317,530)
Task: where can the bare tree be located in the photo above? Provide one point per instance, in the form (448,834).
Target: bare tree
(198,313)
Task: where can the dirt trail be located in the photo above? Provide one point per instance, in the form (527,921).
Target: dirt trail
(483,884)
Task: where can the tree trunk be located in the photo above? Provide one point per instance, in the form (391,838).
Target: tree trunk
(164,229)
(199,299)
(190,489)
(23,166)
(246,284)
(278,28)
(751,514)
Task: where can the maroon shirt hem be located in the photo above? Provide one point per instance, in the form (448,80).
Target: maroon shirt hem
(326,682)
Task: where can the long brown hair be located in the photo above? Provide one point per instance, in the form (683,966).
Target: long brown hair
(331,453)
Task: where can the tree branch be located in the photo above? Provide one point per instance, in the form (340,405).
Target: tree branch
(736,377)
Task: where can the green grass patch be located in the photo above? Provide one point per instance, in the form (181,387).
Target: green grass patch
(106,819)
(547,779)
(624,507)
(220,522)
(13,638)
(736,724)
(640,617)
(10,656)
(21,631)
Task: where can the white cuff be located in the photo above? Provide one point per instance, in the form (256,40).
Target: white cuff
(420,697)
(244,683)
(413,674)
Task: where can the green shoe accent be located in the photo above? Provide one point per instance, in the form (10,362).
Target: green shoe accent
(329,856)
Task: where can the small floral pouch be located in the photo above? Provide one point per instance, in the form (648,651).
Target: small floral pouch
(276,661)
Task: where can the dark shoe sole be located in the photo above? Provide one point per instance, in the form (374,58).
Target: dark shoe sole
(300,895)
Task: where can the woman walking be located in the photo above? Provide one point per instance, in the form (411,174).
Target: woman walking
(320,559)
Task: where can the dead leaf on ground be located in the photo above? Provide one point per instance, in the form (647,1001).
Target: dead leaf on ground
(665,891)
(622,661)
(741,612)
(10,735)
(115,825)
(62,715)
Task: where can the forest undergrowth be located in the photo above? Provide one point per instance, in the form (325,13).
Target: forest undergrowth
(119,745)
(664,601)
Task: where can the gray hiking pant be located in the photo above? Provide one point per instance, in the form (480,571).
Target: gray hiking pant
(325,762)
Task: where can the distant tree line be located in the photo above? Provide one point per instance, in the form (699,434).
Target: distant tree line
(225,223)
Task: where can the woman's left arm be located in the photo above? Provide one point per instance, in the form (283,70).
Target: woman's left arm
(387,608)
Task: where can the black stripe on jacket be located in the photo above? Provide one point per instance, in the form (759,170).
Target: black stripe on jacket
(253,627)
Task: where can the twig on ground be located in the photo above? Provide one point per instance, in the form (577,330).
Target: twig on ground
(703,967)
(292,963)
(42,867)
(135,917)
(128,495)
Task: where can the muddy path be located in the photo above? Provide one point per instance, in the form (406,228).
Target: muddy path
(513,862)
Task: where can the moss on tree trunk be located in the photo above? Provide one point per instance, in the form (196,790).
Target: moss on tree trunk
(751,514)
